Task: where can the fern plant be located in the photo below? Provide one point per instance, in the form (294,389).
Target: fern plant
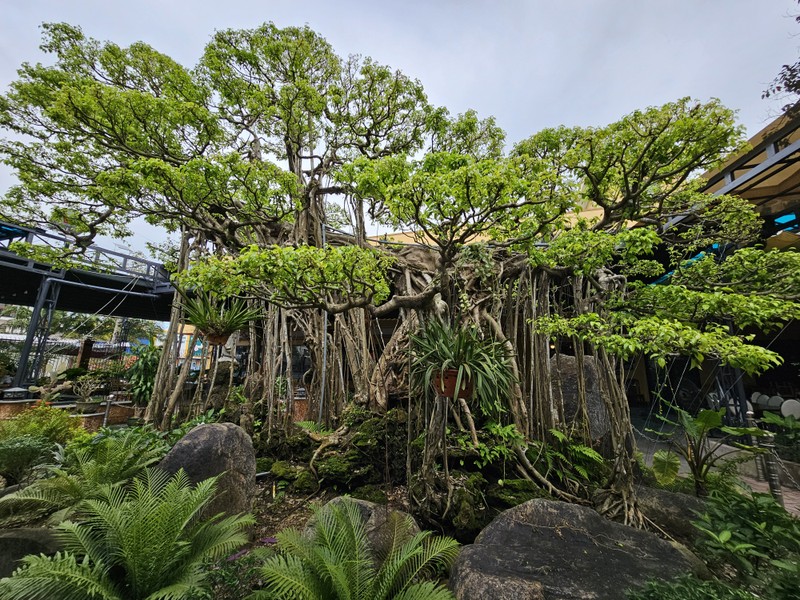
(313,427)
(566,460)
(84,470)
(336,561)
(144,541)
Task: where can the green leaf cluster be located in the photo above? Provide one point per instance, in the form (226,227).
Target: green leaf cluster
(756,537)
(625,335)
(562,459)
(304,276)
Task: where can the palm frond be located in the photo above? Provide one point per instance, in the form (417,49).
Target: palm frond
(423,555)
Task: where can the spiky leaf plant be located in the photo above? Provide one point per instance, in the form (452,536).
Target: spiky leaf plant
(141,542)
(438,347)
(336,561)
(216,317)
(109,461)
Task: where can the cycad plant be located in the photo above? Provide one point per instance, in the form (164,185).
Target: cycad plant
(141,542)
(83,473)
(335,561)
(216,317)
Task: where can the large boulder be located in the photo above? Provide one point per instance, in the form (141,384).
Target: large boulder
(548,550)
(565,370)
(17,543)
(673,512)
(218,449)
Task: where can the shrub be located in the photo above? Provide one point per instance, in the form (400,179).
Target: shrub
(44,421)
(142,541)
(787,438)
(142,374)
(687,587)
(234,577)
(21,454)
(757,538)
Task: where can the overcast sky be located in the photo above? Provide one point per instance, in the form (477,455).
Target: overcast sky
(532,64)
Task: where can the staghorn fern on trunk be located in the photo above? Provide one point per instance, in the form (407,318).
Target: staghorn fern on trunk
(215,316)
(141,542)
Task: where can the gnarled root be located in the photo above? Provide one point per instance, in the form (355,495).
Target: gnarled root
(326,441)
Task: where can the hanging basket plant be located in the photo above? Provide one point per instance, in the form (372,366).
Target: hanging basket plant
(459,362)
(217,318)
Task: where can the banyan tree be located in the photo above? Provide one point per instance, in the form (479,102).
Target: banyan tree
(272,155)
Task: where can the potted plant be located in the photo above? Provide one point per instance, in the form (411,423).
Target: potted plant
(459,362)
(84,387)
(217,318)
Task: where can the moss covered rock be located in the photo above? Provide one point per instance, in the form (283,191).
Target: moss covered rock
(370,493)
(507,493)
(305,483)
(470,513)
(264,464)
(297,446)
(347,470)
(282,469)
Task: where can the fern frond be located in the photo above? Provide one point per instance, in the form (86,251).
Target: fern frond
(422,555)
(425,590)
(587,452)
(60,576)
(287,577)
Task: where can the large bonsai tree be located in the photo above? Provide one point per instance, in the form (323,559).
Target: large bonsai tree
(248,153)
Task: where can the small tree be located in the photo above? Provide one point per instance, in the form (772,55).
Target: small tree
(692,442)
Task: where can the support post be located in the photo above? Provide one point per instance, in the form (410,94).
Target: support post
(38,331)
(773,477)
(751,422)
(85,353)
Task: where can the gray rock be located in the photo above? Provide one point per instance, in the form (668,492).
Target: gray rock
(222,449)
(565,369)
(378,519)
(547,550)
(17,543)
(672,512)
